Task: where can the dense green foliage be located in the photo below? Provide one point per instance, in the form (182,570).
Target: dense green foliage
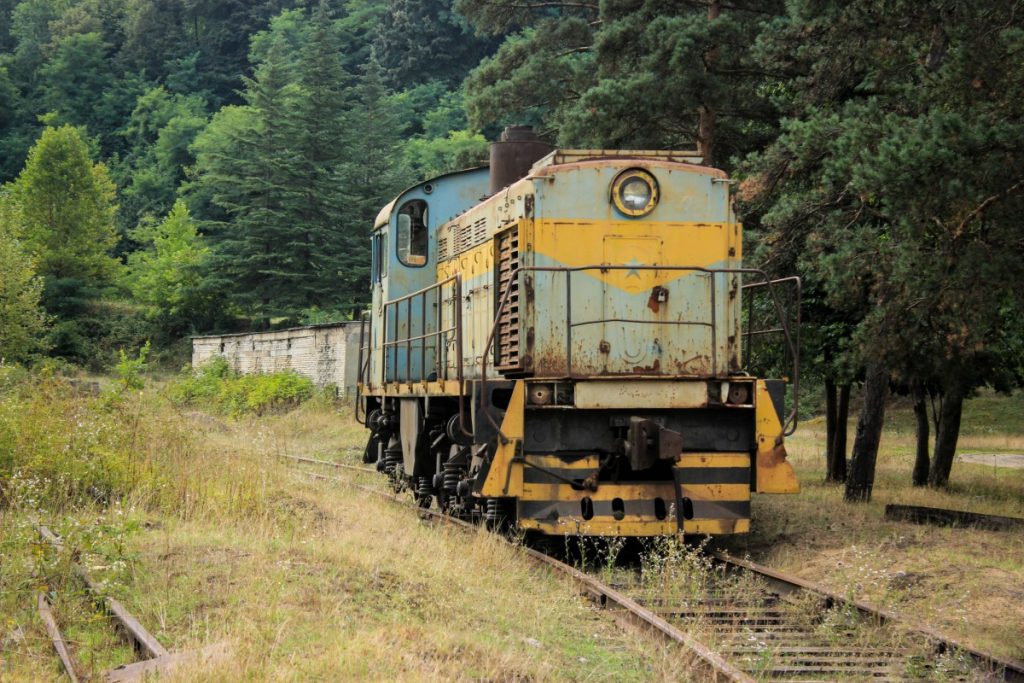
(22,320)
(176,166)
(282,126)
(215,386)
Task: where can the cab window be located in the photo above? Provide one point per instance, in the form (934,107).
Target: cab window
(411,239)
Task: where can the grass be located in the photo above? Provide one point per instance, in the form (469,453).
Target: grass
(966,583)
(208,537)
(218,541)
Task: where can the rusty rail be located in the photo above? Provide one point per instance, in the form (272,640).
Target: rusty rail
(792,341)
(1010,670)
(722,670)
(811,660)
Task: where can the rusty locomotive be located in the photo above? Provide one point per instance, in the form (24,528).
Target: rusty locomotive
(556,343)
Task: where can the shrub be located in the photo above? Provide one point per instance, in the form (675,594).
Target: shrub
(216,387)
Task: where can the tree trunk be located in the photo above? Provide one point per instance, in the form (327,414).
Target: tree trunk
(839,444)
(705,112)
(830,427)
(869,432)
(920,476)
(946,435)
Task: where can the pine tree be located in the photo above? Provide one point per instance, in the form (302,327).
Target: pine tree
(22,320)
(369,178)
(67,209)
(166,274)
(244,160)
(315,245)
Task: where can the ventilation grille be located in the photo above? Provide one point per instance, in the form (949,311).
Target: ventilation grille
(480,231)
(442,247)
(508,324)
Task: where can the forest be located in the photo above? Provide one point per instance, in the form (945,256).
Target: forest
(171,167)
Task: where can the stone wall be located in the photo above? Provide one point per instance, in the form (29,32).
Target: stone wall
(327,354)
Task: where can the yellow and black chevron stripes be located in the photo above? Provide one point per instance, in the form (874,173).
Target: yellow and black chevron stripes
(713,497)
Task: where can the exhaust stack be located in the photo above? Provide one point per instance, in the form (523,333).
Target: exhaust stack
(513,155)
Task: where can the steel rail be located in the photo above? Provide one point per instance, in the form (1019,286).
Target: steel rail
(1008,669)
(604,593)
(1011,670)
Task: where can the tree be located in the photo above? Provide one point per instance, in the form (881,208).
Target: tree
(22,320)
(374,162)
(157,135)
(67,208)
(417,42)
(886,100)
(629,74)
(80,85)
(166,275)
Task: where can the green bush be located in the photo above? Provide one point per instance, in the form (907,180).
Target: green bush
(216,387)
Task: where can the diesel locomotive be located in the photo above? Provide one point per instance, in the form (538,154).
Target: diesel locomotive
(556,343)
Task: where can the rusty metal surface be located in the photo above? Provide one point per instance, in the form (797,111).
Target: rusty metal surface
(565,367)
(513,155)
(1007,669)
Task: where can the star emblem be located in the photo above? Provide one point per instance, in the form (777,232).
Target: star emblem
(633,272)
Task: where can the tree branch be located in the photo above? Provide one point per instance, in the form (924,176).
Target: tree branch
(984,205)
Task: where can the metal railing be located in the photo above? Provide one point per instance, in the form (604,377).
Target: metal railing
(791,340)
(440,334)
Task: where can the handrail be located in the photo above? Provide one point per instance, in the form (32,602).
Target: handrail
(790,421)
(440,333)
(409,338)
(361,368)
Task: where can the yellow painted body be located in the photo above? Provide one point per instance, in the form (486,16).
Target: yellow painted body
(640,315)
(774,473)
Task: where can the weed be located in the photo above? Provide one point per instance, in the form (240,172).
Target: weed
(216,387)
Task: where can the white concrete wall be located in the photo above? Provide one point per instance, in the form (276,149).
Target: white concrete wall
(326,354)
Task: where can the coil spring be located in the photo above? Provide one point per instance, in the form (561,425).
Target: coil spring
(425,487)
(392,459)
(497,513)
(452,475)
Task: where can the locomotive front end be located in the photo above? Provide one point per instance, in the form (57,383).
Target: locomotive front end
(618,351)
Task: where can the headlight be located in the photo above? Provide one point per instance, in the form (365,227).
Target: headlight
(635,192)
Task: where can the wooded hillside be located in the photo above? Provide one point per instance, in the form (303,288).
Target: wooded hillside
(172,166)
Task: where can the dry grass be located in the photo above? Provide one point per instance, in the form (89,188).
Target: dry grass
(305,580)
(966,583)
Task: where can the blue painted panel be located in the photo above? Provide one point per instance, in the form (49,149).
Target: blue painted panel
(446,197)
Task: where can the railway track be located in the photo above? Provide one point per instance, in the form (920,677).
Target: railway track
(747,622)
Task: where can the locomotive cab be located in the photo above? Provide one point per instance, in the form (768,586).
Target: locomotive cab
(566,353)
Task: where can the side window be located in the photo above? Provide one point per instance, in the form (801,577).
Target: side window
(382,252)
(411,239)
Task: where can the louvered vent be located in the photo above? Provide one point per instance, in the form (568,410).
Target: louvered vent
(480,231)
(442,247)
(508,325)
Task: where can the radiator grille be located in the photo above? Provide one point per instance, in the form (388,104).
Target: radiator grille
(508,325)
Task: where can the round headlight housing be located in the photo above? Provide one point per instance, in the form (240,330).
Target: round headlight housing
(635,192)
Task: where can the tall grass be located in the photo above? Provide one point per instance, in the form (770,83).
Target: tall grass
(62,449)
